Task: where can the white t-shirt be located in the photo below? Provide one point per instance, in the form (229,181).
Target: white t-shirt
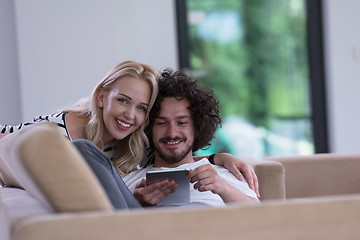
(196,197)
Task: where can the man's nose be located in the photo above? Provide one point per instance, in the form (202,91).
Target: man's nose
(172,130)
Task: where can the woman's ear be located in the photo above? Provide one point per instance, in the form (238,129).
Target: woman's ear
(100,97)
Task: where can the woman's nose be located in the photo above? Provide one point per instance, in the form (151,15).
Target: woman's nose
(130,113)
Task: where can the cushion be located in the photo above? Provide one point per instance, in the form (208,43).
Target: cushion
(61,173)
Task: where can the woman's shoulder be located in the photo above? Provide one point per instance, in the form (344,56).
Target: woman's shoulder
(75,125)
(57,118)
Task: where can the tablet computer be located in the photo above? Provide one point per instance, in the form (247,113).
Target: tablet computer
(182,194)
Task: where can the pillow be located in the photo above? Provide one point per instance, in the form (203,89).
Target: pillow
(61,173)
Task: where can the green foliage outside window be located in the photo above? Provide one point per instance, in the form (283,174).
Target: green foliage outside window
(253,54)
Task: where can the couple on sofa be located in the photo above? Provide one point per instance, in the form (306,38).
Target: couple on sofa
(115,118)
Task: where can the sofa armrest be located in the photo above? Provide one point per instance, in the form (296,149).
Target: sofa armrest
(39,159)
(271,177)
(60,172)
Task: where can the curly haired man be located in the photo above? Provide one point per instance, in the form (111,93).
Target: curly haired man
(184,119)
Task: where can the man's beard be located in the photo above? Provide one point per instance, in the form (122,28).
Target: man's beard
(173,157)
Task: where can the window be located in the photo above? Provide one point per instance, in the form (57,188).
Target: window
(255,56)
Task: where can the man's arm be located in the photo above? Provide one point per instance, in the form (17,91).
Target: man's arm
(230,194)
(206,178)
(238,167)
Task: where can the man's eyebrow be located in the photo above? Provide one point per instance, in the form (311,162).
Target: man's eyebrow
(183,116)
(161,118)
(177,118)
(128,97)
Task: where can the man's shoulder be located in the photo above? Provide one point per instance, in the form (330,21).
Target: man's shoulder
(201,162)
(139,173)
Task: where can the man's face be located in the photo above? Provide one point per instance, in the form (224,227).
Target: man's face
(173,131)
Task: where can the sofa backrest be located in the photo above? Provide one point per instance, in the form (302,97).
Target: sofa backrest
(321,174)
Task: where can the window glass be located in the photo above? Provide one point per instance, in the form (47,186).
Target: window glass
(253,54)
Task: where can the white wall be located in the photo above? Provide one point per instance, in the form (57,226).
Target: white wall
(66,47)
(59,49)
(342,47)
(10,98)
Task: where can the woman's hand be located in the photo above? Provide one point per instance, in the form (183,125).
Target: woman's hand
(153,194)
(239,168)
(2,135)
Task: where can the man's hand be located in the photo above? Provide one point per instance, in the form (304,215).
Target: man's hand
(239,168)
(206,178)
(153,194)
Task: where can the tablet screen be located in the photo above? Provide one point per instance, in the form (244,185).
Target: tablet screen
(182,194)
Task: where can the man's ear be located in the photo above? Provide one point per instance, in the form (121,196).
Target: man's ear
(100,97)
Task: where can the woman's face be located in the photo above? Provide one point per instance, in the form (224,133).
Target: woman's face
(124,107)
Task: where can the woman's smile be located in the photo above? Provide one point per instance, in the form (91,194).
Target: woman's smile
(124,124)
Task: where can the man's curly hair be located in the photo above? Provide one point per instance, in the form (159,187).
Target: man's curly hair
(204,106)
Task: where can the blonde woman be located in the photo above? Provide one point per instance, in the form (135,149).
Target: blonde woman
(110,124)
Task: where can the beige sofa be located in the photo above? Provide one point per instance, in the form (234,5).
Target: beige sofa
(319,175)
(61,199)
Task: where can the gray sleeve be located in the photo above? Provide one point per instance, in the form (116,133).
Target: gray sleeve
(111,181)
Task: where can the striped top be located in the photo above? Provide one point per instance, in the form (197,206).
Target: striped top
(59,119)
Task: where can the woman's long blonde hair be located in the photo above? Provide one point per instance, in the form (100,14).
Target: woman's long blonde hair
(129,151)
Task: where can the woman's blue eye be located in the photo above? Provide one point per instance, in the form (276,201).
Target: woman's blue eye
(143,108)
(122,100)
